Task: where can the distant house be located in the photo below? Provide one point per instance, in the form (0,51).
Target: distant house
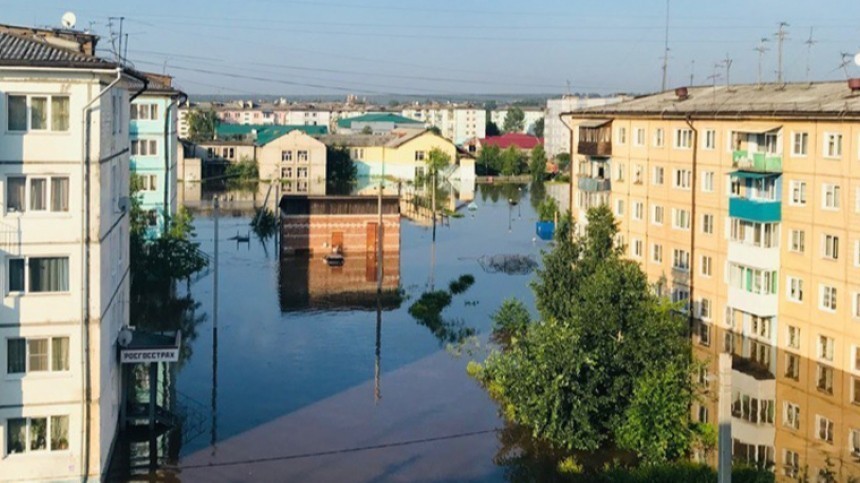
(523,142)
(377,123)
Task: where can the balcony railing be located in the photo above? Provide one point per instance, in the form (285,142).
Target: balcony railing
(594,184)
(756,161)
(761,211)
(594,149)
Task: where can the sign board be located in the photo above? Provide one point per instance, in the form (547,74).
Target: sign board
(142,356)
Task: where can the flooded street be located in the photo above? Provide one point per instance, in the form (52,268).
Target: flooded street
(305,393)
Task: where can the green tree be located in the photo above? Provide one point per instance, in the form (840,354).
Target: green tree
(341,172)
(539,128)
(492,129)
(202,125)
(244,171)
(563,161)
(515,120)
(591,373)
(435,130)
(437,160)
(490,160)
(513,161)
(510,321)
(537,163)
(367,130)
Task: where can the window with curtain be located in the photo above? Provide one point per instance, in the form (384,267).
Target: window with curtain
(50,274)
(37,355)
(60,194)
(16,187)
(17,112)
(38,194)
(59,433)
(16,357)
(59,113)
(38,434)
(16,436)
(59,353)
(16,275)
(38,113)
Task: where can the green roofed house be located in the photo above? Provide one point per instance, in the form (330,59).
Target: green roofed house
(378,123)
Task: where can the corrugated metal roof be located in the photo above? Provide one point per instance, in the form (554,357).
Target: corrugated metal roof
(25,51)
(367,118)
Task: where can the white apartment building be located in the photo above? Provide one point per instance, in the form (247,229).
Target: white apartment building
(556,134)
(64,175)
(457,123)
(532,116)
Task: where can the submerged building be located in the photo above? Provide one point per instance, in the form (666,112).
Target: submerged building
(743,203)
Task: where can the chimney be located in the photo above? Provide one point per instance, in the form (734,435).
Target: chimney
(681,93)
(854,84)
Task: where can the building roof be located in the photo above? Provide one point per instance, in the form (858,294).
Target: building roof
(519,140)
(266,133)
(393,139)
(32,51)
(766,101)
(376,117)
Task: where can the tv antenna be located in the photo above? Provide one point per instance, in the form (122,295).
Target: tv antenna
(761,49)
(809,43)
(692,72)
(727,63)
(666,49)
(69,20)
(781,37)
(846,60)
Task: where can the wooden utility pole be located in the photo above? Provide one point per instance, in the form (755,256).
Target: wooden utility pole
(724,419)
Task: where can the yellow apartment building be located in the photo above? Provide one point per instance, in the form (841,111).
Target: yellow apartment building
(744,201)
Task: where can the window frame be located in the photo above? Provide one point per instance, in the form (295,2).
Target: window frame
(804,137)
(49,113)
(826,152)
(49,356)
(27,276)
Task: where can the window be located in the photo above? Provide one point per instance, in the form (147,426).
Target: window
(622,135)
(828,298)
(800,144)
(683,178)
(704,331)
(824,380)
(637,174)
(148,182)
(37,355)
(825,348)
(657,179)
(419,155)
(302,187)
(707,265)
(301,173)
(619,207)
(681,259)
(855,309)
(38,113)
(637,248)
(793,337)
(798,193)
(832,145)
(854,441)
(752,409)
(703,414)
(705,309)
(659,137)
(287,172)
(286,156)
(855,390)
(791,415)
(144,112)
(798,241)
(680,295)
(683,138)
(791,463)
(825,429)
(792,366)
(710,139)
(708,181)
(831,247)
(657,253)
(25,435)
(619,172)
(15,194)
(638,210)
(680,219)
(59,194)
(302,156)
(149,147)
(708,223)
(831,196)
(657,215)
(639,140)
(47,274)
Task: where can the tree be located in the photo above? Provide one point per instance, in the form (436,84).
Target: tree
(435,130)
(492,129)
(367,130)
(490,159)
(609,363)
(563,161)
(513,161)
(510,321)
(202,125)
(537,162)
(437,160)
(539,127)
(515,120)
(341,172)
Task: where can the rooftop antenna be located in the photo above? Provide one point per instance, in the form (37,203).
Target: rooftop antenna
(761,49)
(846,60)
(125,49)
(727,62)
(666,49)
(781,37)
(692,72)
(809,43)
(713,77)
(568,87)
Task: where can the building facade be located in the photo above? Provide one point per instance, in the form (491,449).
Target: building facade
(556,134)
(64,121)
(297,160)
(744,205)
(457,123)
(532,116)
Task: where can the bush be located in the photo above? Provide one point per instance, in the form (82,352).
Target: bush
(548,209)
(461,284)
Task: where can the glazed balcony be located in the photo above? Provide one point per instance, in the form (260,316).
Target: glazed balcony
(594,149)
(759,162)
(756,210)
(595,138)
(593,185)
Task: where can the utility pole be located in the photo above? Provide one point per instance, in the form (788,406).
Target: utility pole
(781,37)
(724,419)
(213,436)
(666,49)
(809,43)
(761,49)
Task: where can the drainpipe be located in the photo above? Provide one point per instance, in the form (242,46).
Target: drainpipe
(689,121)
(85,277)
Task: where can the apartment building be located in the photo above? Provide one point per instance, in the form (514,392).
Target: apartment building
(64,171)
(743,203)
(295,159)
(556,134)
(457,123)
(532,116)
(153,147)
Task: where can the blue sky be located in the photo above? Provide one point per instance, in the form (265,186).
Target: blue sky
(292,47)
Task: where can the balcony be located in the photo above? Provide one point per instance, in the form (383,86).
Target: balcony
(761,304)
(593,185)
(750,255)
(762,211)
(594,149)
(757,161)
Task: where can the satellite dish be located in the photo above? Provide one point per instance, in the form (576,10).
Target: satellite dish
(125,336)
(69,19)
(857,58)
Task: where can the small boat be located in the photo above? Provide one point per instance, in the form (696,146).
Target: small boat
(334,260)
(472,206)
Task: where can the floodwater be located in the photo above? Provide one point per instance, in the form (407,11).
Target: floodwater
(346,392)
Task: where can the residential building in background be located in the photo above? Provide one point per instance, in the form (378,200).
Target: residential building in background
(532,116)
(743,203)
(295,159)
(376,124)
(64,122)
(153,146)
(458,123)
(556,134)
